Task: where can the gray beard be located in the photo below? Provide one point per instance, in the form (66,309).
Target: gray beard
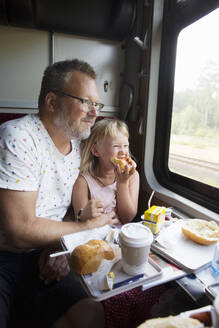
(70,133)
(77,134)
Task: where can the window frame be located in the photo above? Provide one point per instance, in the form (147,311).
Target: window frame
(177,15)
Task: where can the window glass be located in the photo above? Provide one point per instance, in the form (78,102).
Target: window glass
(194,141)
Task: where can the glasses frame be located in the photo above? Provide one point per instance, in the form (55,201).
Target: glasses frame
(90,103)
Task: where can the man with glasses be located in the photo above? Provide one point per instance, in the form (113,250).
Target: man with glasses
(39,165)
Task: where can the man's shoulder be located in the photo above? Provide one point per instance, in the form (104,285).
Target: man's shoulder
(19,126)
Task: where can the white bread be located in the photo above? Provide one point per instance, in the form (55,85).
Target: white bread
(172,322)
(87,258)
(123,162)
(201,231)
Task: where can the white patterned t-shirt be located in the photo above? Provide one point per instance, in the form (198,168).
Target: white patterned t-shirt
(30,161)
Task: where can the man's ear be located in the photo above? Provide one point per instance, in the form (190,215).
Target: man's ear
(50,101)
(94,150)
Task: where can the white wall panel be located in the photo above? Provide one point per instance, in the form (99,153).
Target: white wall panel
(106,57)
(23,57)
(25,54)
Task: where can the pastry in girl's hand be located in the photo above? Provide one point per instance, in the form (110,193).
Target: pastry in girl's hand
(123,162)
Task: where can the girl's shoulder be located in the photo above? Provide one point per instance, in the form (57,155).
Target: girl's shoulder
(88,178)
(81,180)
(83,176)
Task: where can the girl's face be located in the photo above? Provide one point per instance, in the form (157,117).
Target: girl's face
(111,146)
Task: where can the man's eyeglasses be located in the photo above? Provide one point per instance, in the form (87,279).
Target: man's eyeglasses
(90,104)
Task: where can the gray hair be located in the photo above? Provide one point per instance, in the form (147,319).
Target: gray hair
(56,75)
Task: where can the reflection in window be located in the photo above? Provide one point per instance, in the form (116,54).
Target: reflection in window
(194,142)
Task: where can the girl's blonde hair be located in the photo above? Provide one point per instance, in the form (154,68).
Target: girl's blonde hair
(103,128)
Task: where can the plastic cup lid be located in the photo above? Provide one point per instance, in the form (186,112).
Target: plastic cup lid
(136,233)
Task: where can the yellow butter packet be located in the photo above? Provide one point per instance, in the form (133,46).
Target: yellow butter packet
(110,279)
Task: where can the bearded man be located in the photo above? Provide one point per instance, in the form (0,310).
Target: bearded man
(39,163)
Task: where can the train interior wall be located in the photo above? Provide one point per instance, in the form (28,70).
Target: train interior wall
(26,52)
(123,77)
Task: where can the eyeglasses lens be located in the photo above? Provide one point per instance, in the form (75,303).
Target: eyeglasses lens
(92,105)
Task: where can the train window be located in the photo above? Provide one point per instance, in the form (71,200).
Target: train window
(194,151)
(186,153)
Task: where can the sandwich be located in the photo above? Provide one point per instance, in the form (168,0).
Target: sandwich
(172,322)
(201,231)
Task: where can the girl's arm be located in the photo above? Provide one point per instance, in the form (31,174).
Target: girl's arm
(80,194)
(81,200)
(127,197)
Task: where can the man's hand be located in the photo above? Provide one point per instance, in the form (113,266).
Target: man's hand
(52,269)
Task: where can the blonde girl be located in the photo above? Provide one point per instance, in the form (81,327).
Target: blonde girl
(103,184)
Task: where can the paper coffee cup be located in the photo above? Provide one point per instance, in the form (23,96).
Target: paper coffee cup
(135,242)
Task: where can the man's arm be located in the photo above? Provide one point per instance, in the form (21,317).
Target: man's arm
(24,230)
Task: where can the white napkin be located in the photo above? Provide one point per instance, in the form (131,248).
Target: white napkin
(168,237)
(99,278)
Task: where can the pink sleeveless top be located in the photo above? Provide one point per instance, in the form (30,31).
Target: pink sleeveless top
(107,194)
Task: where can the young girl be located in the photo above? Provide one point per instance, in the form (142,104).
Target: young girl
(109,188)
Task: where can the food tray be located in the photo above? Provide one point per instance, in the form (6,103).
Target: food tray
(92,281)
(152,272)
(178,249)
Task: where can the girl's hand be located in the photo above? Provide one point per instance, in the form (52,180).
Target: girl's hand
(124,175)
(93,209)
(105,218)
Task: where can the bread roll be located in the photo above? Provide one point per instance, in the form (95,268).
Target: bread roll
(204,317)
(87,258)
(201,231)
(172,322)
(123,162)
